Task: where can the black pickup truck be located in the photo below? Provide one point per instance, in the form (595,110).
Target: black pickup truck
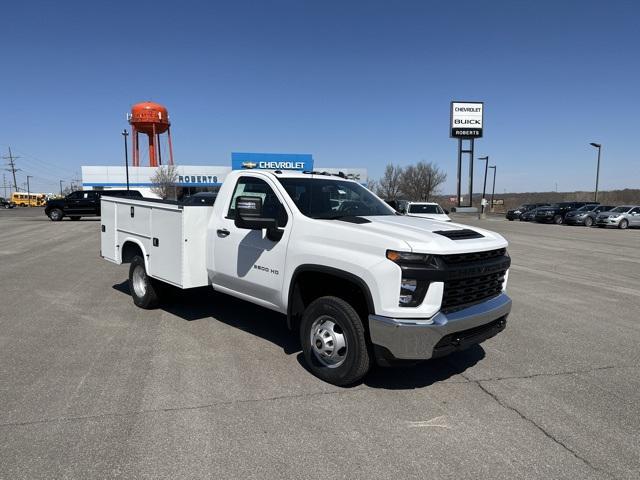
(82,203)
(556,212)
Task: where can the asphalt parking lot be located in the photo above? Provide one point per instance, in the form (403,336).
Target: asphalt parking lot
(209,386)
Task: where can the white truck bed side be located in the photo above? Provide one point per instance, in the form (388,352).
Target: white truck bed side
(172,237)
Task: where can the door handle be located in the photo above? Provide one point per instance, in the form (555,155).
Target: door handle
(223,232)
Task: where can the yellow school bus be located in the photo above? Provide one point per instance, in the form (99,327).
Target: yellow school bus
(22,199)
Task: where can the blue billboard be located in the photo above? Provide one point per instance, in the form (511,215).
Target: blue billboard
(272,161)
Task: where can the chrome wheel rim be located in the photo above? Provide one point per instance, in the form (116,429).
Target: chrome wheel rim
(55,215)
(139,280)
(328,342)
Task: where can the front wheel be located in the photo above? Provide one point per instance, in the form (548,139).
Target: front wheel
(143,288)
(557,219)
(588,222)
(623,224)
(333,341)
(56,215)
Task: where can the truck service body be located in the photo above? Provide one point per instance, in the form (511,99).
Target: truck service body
(360,282)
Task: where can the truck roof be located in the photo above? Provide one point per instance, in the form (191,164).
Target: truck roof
(298,174)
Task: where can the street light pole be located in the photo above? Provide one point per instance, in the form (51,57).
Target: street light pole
(125,134)
(484,185)
(493,190)
(29,190)
(599,147)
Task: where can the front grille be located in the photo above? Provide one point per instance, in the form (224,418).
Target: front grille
(467,291)
(474,256)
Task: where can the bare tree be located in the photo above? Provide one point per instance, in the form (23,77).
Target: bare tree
(389,185)
(165,182)
(420,182)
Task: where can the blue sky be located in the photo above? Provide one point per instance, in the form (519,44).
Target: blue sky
(355,83)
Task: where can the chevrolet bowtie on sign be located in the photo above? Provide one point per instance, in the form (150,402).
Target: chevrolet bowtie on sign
(466,119)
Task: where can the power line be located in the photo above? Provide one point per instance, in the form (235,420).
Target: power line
(12,168)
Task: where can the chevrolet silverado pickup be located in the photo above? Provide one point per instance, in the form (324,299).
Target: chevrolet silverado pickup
(360,283)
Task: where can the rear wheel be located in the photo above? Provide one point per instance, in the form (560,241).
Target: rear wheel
(557,219)
(333,341)
(588,222)
(56,214)
(624,223)
(144,290)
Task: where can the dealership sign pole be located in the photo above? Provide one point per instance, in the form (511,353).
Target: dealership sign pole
(466,124)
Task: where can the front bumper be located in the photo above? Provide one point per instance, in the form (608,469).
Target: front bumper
(608,221)
(421,339)
(574,220)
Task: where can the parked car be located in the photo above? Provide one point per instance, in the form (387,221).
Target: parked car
(529,215)
(556,212)
(621,217)
(82,203)
(4,203)
(361,284)
(200,198)
(516,212)
(427,210)
(586,215)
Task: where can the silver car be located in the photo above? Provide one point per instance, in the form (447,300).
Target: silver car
(621,217)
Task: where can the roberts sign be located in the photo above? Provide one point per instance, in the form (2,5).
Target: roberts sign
(466,119)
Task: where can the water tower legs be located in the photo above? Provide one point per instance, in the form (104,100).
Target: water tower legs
(170,146)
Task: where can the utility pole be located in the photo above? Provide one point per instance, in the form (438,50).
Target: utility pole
(4,184)
(12,167)
(493,190)
(125,134)
(29,190)
(61,187)
(484,188)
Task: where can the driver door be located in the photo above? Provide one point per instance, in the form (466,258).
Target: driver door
(246,261)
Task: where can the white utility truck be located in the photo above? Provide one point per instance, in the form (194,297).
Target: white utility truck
(360,282)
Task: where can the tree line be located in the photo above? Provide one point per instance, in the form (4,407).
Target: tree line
(419,182)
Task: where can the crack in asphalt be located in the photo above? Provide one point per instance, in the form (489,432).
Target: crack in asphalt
(360,388)
(547,434)
(551,374)
(176,409)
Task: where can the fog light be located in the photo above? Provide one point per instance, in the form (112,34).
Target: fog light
(407,291)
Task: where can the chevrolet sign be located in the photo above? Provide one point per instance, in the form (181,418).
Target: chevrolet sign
(271,161)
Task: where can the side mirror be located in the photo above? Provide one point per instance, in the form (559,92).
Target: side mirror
(249,215)
(446,211)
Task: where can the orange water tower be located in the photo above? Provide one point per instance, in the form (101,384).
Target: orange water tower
(152,119)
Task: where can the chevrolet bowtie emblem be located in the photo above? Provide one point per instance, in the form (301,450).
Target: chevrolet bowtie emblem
(249,165)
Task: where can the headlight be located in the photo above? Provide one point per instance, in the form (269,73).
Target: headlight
(517,212)
(408,257)
(613,217)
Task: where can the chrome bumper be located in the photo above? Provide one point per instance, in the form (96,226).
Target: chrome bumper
(415,339)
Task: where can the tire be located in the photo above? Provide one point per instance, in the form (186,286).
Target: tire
(75,219)
(143,288)
(624,223)
(56,215)
(327,323)
(558,220)
(588,222)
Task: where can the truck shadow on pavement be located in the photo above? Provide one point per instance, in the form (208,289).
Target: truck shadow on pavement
(205,303)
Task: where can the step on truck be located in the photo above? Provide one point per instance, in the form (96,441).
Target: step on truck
(362,284)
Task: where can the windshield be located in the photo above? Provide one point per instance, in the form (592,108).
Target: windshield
(324,198)
(433,209)
(620,210)
(587,208)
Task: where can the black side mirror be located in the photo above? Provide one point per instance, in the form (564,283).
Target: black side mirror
(249,214)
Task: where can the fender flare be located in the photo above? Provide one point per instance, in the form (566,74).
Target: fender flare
(137,242)
(309,267)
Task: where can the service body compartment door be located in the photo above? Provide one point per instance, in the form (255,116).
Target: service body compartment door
(108,232)
(165,252)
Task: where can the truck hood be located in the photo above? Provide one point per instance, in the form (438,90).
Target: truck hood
(419,234)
